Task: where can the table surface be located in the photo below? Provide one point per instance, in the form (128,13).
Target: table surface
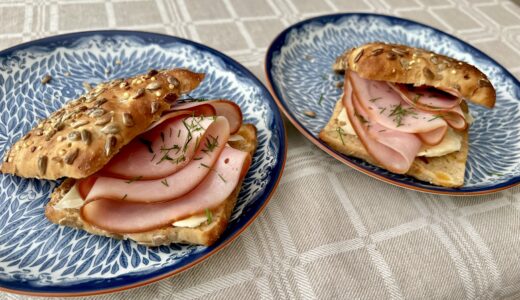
(329,231)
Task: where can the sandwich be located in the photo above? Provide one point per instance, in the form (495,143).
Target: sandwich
(405,110)
(140,161)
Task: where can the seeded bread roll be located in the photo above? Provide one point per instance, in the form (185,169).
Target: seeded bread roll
(409,65)
(205,234)
(79,139)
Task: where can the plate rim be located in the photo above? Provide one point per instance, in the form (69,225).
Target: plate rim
(225,242)
(280,40)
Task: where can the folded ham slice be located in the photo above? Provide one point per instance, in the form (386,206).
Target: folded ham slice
(130,217)
(433,137)
(443,105)
(222,107)
(184,179)
(163,150)
(387,108)
(393,149)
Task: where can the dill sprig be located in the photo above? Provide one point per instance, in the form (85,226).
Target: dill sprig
(211,144)
(340,132)
(136,178)
(399,113)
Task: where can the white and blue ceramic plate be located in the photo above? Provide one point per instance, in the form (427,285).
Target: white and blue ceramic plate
(40,258)
(299,73)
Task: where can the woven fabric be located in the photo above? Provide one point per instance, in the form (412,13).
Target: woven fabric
(329,231)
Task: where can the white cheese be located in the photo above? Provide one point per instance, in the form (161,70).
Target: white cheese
(73,200)
(344,122)
(452,141)
(191,222)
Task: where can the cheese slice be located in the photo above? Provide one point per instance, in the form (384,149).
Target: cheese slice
(191,222)
(452,141)
(73,200)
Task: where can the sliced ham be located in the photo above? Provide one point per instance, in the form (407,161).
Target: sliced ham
(433,137)
(444,106)
(392,149)
(130,217)
(387,108)
(224,108)
(426,98)
(175,139)
(186,177)
(201,110)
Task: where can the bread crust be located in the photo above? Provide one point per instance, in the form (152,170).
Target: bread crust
(205,234)
(81,137)
(447,170)
(409,65)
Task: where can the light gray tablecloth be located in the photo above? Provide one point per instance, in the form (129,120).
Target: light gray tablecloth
(329,231)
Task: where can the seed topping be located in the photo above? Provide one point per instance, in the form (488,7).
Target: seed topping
(128,120)
(71,156)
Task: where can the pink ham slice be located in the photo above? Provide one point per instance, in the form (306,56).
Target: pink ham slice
(201,110)
(392,149)
(386,107)
(144,157)
(443,105)
(433,137)
(175,185)
(426,98)
(224,108)
(128,217)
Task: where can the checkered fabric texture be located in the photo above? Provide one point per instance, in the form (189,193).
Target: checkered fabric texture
(329,231)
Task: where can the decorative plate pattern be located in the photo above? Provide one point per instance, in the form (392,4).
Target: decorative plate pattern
(298,67)
(39,257)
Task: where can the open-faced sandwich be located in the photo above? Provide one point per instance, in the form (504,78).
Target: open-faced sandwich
(404,109)
(139,163)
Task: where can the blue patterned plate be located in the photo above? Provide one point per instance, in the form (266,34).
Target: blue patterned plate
(298,69)
(40,258)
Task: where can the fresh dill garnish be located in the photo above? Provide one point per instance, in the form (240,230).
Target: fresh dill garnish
(147,143)
(170,132)
(165,182)
(399,113)
(188,138)
(382,130)
(374,99)
(222,177)
(211,144)
(209,216)
(153,157)
(205,166)
(197,158)
(136,178)
(179,133)
(174,147)
(321,99)
(340,133)
(162,136)
(124,197)
(437,116)
(382,110)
